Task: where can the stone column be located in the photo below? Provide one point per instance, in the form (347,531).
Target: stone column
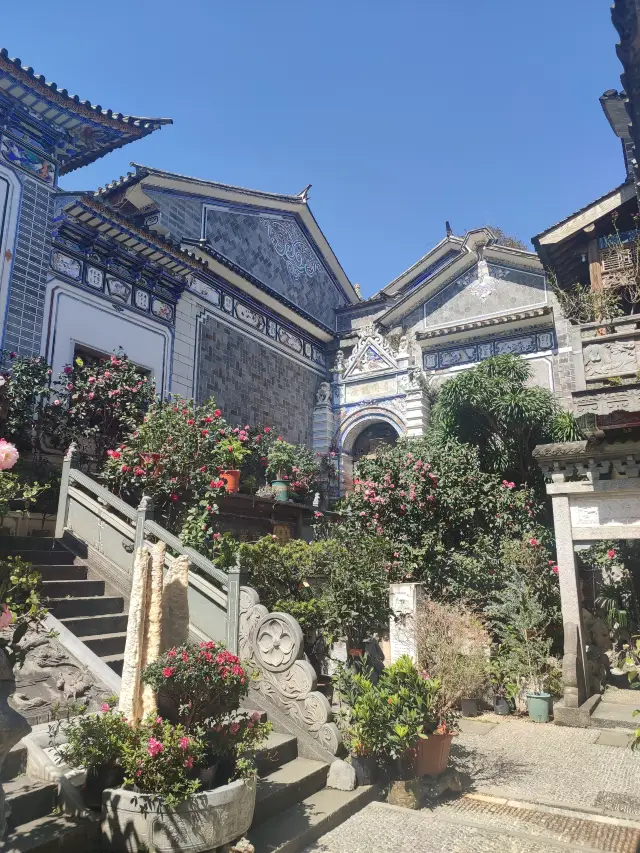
(416,404)
(574,669)
(322,427)
(404,600)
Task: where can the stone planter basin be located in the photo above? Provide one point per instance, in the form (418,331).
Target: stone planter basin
(209,819)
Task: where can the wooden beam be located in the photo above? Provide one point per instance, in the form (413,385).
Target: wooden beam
(595,267)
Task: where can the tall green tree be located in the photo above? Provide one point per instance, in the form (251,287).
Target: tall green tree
(493,408)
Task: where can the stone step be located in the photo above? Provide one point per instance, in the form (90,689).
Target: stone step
(29,799)
(106,645)
(14,764)
(287,785)
(277,750)
(25,544)
(115,662)
(304,822)
(72,589)
(63,572)
(47,558)
(85,605)
(53,834)
(614,715)
(87,626)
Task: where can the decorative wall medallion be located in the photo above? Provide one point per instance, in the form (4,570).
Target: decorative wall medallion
(162,310)
(119,289)
(272,329)
(545,340)
(227,303)
(205,290)
(94,277)
(307,349)
(289,243)
(484,285)
(289,340)
(17,155)
(516,346)
(318,357)
(430,360)
(247,315)
(142,300)
(457,356)
(485,351)
(66,265)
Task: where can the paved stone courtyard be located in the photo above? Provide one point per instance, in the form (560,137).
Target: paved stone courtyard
(587,795)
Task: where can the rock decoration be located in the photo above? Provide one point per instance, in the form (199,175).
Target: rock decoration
(13,727)
(158,620)
(272,644)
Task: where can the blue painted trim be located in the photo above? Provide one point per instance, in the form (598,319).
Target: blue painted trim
(15,241)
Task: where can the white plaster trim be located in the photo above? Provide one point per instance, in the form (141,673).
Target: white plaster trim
(591,214)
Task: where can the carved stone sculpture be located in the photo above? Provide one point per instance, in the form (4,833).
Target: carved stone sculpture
(130,692)
(273,644)
(611,358)
(153,623)
(323,394)
(338,367)
(13,727)
(175,604)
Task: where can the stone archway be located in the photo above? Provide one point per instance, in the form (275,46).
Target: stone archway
(357,435)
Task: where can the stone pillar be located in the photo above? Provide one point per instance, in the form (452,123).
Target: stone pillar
(416,404)
(404,600)
(322,427)
(574,667)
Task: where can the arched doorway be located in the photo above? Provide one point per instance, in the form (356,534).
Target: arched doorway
(361,435)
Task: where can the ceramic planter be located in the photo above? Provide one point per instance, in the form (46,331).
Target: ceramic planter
(207,820)
(432,754)
(469,707)
(501,706)
(366,768)
(231,479)
(97,780)
(538,705)
(280,490)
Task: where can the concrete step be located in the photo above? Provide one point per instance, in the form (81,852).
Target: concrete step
(105,645)
(47,558)
(72,589)
(53,834)
(304,822)
(63,572)
(23,544)
(287,785)
(115,662)
(29,799)
(615,715)
(277,750)
(14,764)
(85,605)
(87,626)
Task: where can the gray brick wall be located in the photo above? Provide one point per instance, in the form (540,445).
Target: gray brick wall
(29,273)
(182,216)
(253,384)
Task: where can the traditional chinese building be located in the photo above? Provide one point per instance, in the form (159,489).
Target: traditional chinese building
(224,291)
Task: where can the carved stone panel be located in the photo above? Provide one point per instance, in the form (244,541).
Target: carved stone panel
(610,358)
(605,510)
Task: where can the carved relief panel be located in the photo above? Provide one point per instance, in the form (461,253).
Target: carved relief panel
(610,358)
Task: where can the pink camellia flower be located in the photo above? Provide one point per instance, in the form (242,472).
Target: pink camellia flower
(107,374)
(68,370)
(159,720)
(217,413)
(69,386)
(267,429)
(91,379)
(233,728)
(317,514)
(188,762)
(168,671)
(56,402)
(8,455)
(255,717)
(184,743)
(105,708)
(611,553)
(555,569)
(154,747)
(91,395)
(5,617)
(533,542)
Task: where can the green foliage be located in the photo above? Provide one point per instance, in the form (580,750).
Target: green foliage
(96,403)
(610,564)
(492,408)
(93,740)
(14,489)
(295,464)
(20,599)
(24,385)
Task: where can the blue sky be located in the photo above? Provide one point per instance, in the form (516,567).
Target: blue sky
(401,114)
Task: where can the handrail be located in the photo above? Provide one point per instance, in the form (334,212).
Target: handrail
(197,559)
(103,494)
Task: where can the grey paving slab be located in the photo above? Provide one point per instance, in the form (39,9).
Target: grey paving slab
(618,712)
(613,738)
(475,727)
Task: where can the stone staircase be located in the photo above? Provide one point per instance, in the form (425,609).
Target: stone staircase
(34,824)
(76,596)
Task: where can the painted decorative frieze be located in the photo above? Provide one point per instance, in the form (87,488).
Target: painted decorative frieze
(66,265)
(441,359)
(30,161)
(289,243)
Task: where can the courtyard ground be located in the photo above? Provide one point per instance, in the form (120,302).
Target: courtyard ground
(526,787)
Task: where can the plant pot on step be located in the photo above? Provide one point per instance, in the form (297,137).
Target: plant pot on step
(97,780)
(538,705)
(405,786)
(231,479)
(469,707)
(433,754)
(501,706)
(366,768)
(280,490)
(205,821)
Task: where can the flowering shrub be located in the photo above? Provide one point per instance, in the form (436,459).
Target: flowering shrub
(296,465)
(94,740)
(200,681)
(24,383)
(96,403)
(162,759)
(610,565)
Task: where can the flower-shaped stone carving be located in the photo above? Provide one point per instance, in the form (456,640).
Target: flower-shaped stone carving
(278,641)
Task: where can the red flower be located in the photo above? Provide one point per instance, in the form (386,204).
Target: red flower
(216,414)
(174,497)
(168,671)
(190,422)
(204,432)
(611,553)
(267,429)
(555,570)
(533,542)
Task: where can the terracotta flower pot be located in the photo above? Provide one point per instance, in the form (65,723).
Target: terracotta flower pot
(231,479)
(433,754)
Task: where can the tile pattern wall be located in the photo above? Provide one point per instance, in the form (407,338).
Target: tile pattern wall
(254,384)
(29,274)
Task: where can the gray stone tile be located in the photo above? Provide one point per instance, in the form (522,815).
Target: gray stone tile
(475,727)
(613,738)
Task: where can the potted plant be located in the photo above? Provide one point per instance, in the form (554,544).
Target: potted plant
(503,687)
(95,742)
(281,458)
(231,452)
